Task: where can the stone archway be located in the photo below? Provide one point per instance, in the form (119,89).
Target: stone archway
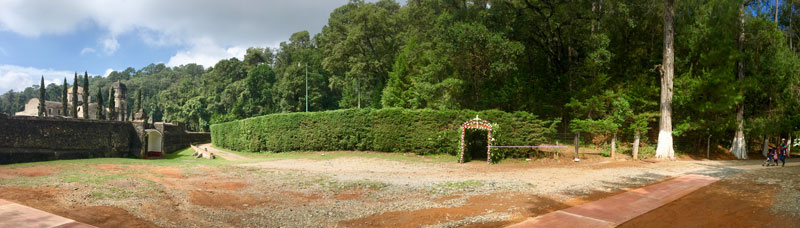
(155,144)
(480,124)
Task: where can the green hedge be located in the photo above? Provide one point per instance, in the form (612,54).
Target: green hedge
(385,130)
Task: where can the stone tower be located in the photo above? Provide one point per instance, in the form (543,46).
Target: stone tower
(120,100)
(80,95)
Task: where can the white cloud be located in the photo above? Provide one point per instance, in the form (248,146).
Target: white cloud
(205,52)
(108,71)
(110,45)
(34,18)
(87,50)
(18,78)
(222,27)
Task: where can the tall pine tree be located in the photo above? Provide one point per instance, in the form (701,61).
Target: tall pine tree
(86,95)
(138,100)
(739,145)
(64,98)
(112,109)
(42,97)
(665,150)
(75,96)
(100,109)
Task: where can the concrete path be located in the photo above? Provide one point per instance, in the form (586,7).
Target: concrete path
(615,210)
(220,153)
(20,216)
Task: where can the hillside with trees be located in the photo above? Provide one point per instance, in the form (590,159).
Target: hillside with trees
(595,64)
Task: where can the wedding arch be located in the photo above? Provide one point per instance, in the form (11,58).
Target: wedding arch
(479,124)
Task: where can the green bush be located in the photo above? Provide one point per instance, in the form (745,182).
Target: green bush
(386,130)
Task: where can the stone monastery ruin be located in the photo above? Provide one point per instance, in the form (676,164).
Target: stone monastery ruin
(27,137)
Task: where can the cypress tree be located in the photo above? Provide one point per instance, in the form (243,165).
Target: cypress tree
(138,100)
(112,110)
(100,109)
(42,97)
(75,96)
(64,98)
(86,95)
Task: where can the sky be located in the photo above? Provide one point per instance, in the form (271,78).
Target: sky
(55,39)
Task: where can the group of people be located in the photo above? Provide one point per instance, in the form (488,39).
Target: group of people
(776,154)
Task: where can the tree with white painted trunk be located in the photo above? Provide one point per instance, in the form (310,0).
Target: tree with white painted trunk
(665,149)
(739,146)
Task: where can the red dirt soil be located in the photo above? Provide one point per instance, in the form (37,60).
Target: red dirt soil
(42,198)
(347,196)
(229,185)
(725,203)
(302,197)
(528,205)
(225,200)
(30,171)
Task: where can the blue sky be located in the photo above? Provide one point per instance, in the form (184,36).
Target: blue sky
(58,38)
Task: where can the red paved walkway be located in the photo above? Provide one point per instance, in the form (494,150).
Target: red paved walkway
(19,216)
(615,210)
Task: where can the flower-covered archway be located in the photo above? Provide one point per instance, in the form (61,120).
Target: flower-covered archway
(480,124)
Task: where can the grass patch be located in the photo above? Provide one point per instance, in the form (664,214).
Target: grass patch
(328,155)
(179,158)
(91,178)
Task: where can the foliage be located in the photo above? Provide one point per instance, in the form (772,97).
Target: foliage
(101,111)
(112,106)
(64,105)
(590,63)
(85,95)
(387,130)
(42,99)
(74,111)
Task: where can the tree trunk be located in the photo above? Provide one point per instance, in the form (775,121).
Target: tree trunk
(577,135)
(665,149)
(739,145)
(614,146)
(789,146)
(636,145)
(766,146)
(708,147)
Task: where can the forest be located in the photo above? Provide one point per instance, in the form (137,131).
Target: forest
(593,64)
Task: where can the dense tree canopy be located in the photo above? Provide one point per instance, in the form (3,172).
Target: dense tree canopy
(589,62)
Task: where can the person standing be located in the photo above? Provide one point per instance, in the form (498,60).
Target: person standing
(782,152)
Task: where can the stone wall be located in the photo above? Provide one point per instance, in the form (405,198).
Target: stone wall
(176,137)
(28,139)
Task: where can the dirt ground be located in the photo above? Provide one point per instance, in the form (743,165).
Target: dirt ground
(754,198)
(386,190)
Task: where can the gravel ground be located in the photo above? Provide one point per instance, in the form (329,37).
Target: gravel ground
(344,191)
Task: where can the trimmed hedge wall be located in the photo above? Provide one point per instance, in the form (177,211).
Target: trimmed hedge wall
(386,130)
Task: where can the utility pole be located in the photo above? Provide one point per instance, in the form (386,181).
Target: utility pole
(306,87)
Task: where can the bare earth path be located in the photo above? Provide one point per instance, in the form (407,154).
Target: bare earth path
(224,154)
(617,209)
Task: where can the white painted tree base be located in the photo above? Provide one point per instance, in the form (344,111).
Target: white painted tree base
(665,149)
(739,148)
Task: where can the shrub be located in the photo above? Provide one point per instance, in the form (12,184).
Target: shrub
(386,130)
